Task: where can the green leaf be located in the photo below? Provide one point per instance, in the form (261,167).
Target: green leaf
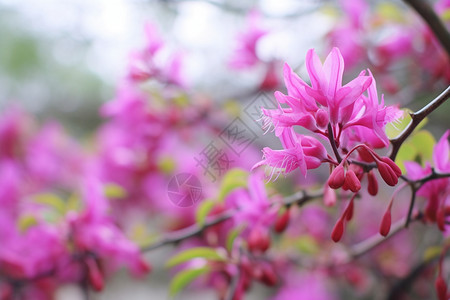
(432,252)
(183,278)
(53,201)
(233,179)
(393,129)
(232,237)
(26,221)
(203,211)
(203,252)
(114,191)
(407,152)
(307,244)
(424,143)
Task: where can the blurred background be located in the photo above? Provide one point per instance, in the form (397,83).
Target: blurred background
(63,59)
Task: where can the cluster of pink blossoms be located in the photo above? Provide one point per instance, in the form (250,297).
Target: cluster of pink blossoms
(349,118)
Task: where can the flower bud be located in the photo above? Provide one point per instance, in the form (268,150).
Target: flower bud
(95,277)
(338,231)
(386,172)
(385,226)
(393,166)
(441,288)
(372,184)
(268,276)
(258,240)
(337,177)
(329,196)
(440,218)
(322,118)
(352,182)
(282,221)
(349,210)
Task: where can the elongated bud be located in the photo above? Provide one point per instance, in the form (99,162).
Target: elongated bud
(365,155)
(441,288)
(338,231)
(386,172)
(385,226)
(329,196)
(372,184)
(352,182)
(393,166)
(282,221)
(337,177)
(440,219)
(258,240)
(268,276)
(349,210)
(322,118)
(95,277)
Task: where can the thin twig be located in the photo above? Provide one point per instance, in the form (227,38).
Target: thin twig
(416,118)
(299,198)
(433,21)
(333,143)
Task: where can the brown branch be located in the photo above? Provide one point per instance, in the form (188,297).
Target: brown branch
(299,198)
(416,118)
(433,21)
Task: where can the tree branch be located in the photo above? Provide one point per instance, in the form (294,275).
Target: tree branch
(433,21)
(416,118)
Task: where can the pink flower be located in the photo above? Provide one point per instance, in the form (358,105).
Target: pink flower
(245,56)
(437,192)
(300,151)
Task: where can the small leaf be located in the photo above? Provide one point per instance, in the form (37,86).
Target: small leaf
(53,201)
(307,244)
(390,11)
(166,164)
(407,152)
(114,191)
(232,237)
(203,211)
(432,252)
(424,143)
(26,221)
(183,278)
(233,179)
(203,252)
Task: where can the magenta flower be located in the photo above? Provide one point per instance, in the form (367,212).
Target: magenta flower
(245,56)
(354,117)
(437,192)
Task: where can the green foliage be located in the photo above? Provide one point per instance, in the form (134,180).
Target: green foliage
(203,210)
(202,252)
(232,237)
(233,179)
(114,191)
(183,278)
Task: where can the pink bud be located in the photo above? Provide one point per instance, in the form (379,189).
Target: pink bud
(338,231)
(372,184)
(337,177)
(365,155)
(349,210)
(393,166)
(269,277)
(282,221)
(441,288)
(352,181)
(322,118)
(440,219)
(385,226)
(329,196)
(386,172)
(259,240)
(95,277)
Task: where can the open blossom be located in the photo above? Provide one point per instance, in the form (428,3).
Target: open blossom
(351,114)
(437,192)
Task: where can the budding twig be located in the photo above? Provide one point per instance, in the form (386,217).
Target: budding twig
(299,198)
(416,118)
